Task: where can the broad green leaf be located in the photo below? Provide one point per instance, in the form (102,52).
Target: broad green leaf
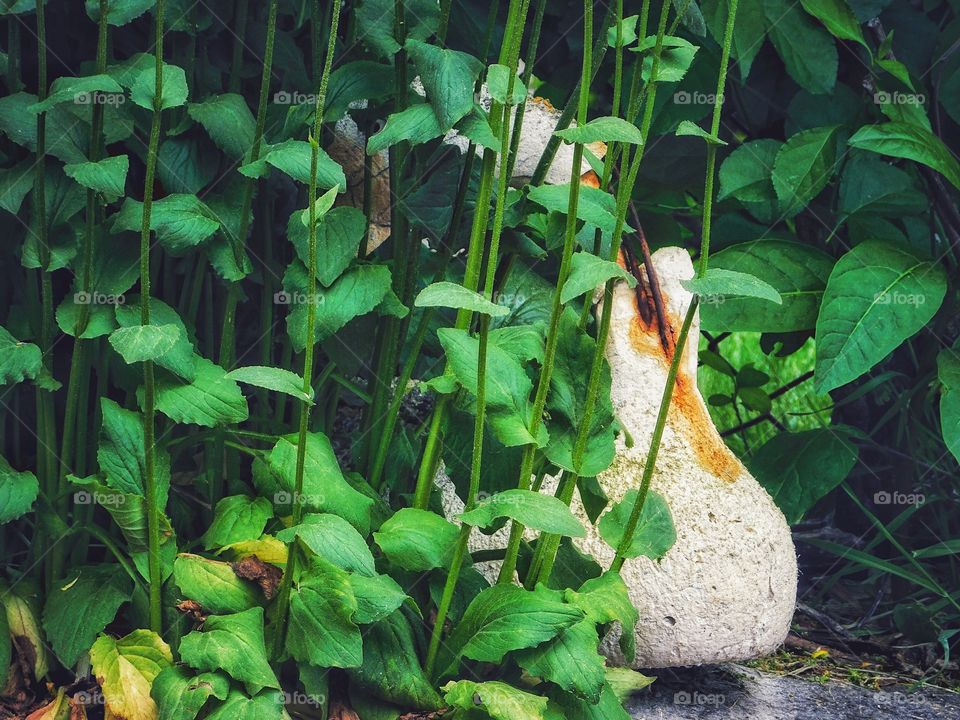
(623,682)
(293,158)
(749,30)
(119,12)
(271,378)
(76,90)
(108,176)
(676,56)
(121,454)
(324,487)
(391,669)
(126,669)
(376,20)
(266,705)
(837,17)
(569,661)
(139,343)
(603,129)
(808,51)
(948,364)
(588,272)
(506,617)
(81,606)
(128,510)
(339,234)
(181,360)
(416,125)
(904,140)
(237,518)
(686,127)
(234,644)
(18,491)
(377,596)
(508,387)
(498,699)
(212,398)
(181,695)
(180,221)
(450,295)
(228,121)
(803,167)
(605,599)
(724,283)
(475,126)
(594,205)
(628,32)
(531,509)
(498,85)
(213,584)
(15,183)
(798,469)
(417,540)
(322,631)
(18,360)
(320,208)
(798,272)
(66,138)
(187,165)
(870,185)
(448,76)
(655,533)
(333,539)
(358,80)
(175,90)
(746,173)
(878,295)
(610,706)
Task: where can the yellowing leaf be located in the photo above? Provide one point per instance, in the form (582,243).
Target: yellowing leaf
(126,668)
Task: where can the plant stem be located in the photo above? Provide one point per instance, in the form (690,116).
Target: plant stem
(283,599)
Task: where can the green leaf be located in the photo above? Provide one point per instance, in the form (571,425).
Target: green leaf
(266,705)
(320,208)
(181,360)
(610,706)
(322,631)
(237,518)
(531,509)
(871,185)
(213,584)
(18,491)
(180,695)
(837,17)
(506,617)
(377,596)
(233,644)
(499,700)
(212,398)
(807,50)
(333,539)
(686,127)
(128,510)
(126,669)
(180,221)
(798,469)
(324,487)
(119,12)
(81,606)
(121,454)
(594,205)
(391,669)
(339,234)
(498,85)
(605,599)
(228,121)
(588,272)
(569,661)
(416,125)
(803,167)
(798,272)
(475,126)
(18,360)
(720,282)
(948,365)
(175,90)
(628,32)
(77,90)
(376,20)
(904,140)
(603,129)
(417,540)
(358,80)
(746,173)
(271,378)
(878,295)
(508,388)
(293,158)
(448,76)
(108,176)
(19,124)
(139,343)
(676,56)
(450,295)
(655,533)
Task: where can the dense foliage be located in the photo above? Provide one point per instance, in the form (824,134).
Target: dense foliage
(240,334)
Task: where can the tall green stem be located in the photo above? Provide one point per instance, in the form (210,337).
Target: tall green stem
(283,600)
(650,464)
